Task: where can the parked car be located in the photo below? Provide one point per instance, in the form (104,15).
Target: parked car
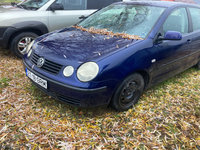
(23,22)
(116,53)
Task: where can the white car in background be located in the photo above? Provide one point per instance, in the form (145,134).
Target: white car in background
(20,24)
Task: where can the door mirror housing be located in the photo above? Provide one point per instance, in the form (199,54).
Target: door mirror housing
(82,17)
(13,4)
(56,6)
(171,35)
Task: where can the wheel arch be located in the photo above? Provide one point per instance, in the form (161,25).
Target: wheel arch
(36,27)
(143,73)
(21,31)
(145,76)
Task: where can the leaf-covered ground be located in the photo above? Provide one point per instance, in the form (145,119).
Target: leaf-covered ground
(167,116)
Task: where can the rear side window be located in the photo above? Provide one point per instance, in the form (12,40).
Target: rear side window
(73,4)
(195,13)
(85,4)
(97,4)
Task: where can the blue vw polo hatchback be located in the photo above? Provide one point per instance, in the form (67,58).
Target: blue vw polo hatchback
(114,54)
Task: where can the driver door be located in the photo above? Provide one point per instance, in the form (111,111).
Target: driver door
(171,56)
(73,9)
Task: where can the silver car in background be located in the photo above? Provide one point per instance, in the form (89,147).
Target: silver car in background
(20,24)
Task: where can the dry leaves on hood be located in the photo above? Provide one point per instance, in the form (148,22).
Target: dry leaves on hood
(109,33)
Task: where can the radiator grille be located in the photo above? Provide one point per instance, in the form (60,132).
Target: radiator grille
(48,66)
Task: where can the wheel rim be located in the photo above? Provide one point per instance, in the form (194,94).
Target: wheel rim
(129,93)
(23,43)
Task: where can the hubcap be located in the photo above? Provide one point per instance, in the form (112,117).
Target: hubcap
(129,93)
(23,43)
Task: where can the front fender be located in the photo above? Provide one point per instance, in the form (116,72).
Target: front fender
(31,25)
(27,26)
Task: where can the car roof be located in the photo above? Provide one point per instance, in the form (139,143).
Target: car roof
(159,3)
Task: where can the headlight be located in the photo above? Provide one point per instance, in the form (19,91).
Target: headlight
(87,71)
(68,71)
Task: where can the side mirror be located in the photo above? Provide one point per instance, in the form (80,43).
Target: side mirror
(82,17)
(56,6)
(13,4)
(171,35)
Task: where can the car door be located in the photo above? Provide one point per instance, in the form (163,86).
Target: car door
(194,46)
(170,57)
(73,9)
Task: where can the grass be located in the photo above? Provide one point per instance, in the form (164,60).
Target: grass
(166,117)
(4,82)
(8,1)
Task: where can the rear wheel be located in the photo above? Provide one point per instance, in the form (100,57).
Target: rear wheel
(19,43)
(128,93)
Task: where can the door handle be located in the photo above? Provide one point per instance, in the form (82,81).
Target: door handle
(189,41)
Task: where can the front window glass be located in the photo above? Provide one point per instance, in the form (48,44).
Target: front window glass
(177,21)
(97,4)
(125,18)
(32,4)
(195,13)
(73,4)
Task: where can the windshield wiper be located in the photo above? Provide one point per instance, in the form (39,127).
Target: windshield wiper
(27,7)
(22,6)
(32,8)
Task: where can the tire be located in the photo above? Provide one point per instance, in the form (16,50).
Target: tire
(128,93)
(24,39)
(198,65)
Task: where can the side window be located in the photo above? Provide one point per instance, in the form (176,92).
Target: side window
(73,4)
(177,21)
(195,14)
(97,4)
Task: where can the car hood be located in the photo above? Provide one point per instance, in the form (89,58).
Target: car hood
(9,8)
(74,44)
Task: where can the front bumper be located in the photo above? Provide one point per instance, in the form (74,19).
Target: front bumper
(73,95)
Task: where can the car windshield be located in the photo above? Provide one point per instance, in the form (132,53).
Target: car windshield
(32,4)
(124,19)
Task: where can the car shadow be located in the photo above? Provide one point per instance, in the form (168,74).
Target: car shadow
(64,109)
(6,53)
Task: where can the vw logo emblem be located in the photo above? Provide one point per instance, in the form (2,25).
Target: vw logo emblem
(40,62)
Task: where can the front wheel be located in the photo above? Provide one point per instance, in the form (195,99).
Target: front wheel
(19,42)
(198,65)
(128,93)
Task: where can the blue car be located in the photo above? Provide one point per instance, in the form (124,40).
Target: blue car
(112,56)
